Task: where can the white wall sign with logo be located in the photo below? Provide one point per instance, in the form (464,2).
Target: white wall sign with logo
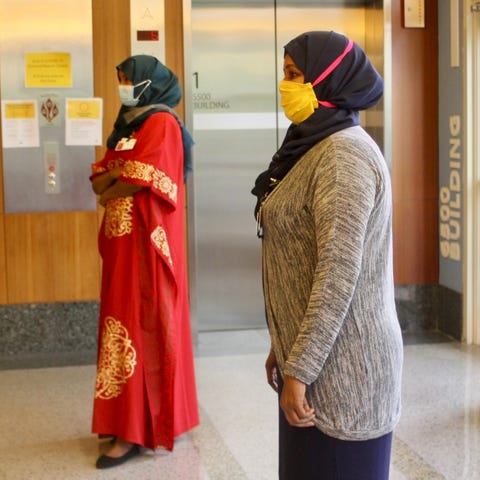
(20,124)
(83,121)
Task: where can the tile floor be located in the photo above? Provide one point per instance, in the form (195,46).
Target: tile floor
(45,418)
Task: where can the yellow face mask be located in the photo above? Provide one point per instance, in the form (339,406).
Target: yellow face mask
(298,100)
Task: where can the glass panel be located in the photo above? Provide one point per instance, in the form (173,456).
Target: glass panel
(55,28)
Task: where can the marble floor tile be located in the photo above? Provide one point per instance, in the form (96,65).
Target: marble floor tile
(45,416)
(441,408)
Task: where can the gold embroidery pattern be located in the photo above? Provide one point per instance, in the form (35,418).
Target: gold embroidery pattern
(159,238)
(147,173)
(116,362)
(115,162)
(97,169)
(164,183)
(118,217)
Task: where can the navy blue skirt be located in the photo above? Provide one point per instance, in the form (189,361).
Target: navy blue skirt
(309,454)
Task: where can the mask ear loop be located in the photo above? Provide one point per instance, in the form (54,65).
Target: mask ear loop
(148,82)
(329,70)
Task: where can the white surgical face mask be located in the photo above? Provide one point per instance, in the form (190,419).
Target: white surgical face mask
(127,95)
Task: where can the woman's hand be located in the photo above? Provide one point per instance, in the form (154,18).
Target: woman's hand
(102,182)
(294,403)
(116,172)
(117,190)
(271,368)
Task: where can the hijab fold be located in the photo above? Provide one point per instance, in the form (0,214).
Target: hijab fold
(162,95)
(353,85)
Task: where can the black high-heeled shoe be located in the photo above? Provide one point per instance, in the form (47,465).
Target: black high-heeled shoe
(104,461)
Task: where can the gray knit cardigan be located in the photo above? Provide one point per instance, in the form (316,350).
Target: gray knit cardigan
(328,285)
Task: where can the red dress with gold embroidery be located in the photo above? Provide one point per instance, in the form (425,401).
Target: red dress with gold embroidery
(145,390)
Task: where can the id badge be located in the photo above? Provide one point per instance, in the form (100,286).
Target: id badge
(125,144)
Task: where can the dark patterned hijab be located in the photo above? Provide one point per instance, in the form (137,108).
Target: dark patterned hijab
(162,95)
(352,85)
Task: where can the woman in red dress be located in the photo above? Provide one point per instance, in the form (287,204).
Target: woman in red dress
(145,391)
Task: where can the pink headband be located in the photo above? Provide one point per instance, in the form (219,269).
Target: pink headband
(329,70)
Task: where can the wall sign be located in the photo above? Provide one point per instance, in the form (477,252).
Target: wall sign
(451,148)
(20,124)
(451,197)
(47,69)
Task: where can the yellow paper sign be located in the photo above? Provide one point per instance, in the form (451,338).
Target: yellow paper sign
(48,70)
(77,109)
(19,110)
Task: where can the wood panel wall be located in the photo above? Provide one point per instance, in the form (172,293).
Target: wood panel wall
(174,44)
(415,147)
(3,267)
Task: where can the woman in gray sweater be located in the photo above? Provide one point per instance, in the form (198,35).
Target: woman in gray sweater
(324,213)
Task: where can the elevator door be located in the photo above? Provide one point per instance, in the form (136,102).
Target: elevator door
(235,133)
(236,62)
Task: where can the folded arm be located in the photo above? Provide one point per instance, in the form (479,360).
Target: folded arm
(101,182)
(119,189)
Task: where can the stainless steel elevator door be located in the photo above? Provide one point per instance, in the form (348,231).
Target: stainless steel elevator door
(237,57)
(234,117)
